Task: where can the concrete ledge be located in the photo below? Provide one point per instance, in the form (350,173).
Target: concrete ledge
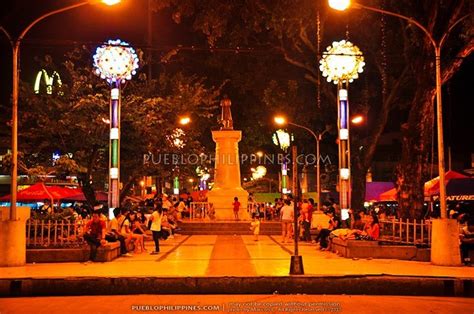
(355,285)
(372,249)
(106,253)
(109,252)
(62,255)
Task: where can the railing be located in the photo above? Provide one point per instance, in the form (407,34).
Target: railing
(417,232)
(42,233)
(253,207)
(201,210)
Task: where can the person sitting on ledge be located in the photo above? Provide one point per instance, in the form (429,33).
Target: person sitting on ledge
(467,241)
(371,230)
(95,234)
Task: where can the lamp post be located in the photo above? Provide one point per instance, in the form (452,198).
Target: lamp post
(283,140)
(317,136)
(444,252)
(15,45)
(116,62)
(341,63)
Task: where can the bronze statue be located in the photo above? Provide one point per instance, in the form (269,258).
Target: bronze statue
(226,115)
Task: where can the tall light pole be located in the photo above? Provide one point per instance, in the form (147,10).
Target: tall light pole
(317,136)
(15,45)
(341,63)
(441,254)
(116,62)
(283,140)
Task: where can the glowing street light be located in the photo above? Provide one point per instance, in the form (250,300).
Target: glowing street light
(259,172)
(15,44)
(280,120)
(341,63)
(283,140)
(115,62)
(184,120)
(110,2)
(357,119)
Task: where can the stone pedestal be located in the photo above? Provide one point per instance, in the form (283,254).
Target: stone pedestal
(13,236)
(445,243)
(227,184)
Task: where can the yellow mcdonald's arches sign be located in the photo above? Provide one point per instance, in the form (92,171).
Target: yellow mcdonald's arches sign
(49,81)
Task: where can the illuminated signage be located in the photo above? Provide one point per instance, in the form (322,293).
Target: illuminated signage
(49,81)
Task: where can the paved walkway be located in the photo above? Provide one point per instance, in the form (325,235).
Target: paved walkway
(207,255)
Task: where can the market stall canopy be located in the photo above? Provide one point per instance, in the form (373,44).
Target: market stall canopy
(39,192)
(432,186)
(389,196)
(460,190)
(373,190)
(457,186)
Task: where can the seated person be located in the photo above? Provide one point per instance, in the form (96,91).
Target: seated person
(126,230)
(166,228)
(371,229)
(358,223)
(95,234)
(114,234)
(137,229)
(467,240)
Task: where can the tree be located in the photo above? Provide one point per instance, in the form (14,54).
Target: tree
(76,123)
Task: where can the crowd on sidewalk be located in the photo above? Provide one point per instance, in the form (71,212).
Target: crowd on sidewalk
(320,227)
(132,226)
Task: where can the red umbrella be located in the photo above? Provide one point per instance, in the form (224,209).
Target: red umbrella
(432,186)
(36,192)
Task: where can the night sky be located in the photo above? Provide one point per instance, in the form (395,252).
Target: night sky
(92,25)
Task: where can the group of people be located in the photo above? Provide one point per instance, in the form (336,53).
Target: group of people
(327,222)
(130,226)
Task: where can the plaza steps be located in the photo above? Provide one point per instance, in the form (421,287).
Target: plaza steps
(227,227)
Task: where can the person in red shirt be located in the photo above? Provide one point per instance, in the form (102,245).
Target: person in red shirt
(371,229)
(236,205)
(95,234)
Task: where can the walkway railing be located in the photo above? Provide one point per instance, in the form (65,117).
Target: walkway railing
(201,210)
(54,232)
(253,207)
(417,232)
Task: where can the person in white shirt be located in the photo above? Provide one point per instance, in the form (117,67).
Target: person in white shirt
(155,227)
(287,218)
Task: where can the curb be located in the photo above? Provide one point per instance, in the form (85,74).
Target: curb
(353,285)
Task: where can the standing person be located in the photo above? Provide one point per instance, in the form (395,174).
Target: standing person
(95,234)
(286,217)
(306,213)
(236,205)
(255,226)
(155,227)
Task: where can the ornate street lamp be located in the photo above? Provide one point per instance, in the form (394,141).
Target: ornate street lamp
(283,139)
(116,62)
(341,63)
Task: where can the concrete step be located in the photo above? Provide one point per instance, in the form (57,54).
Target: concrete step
(223,228)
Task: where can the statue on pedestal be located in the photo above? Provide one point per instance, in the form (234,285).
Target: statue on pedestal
(226,115)
(227,185)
